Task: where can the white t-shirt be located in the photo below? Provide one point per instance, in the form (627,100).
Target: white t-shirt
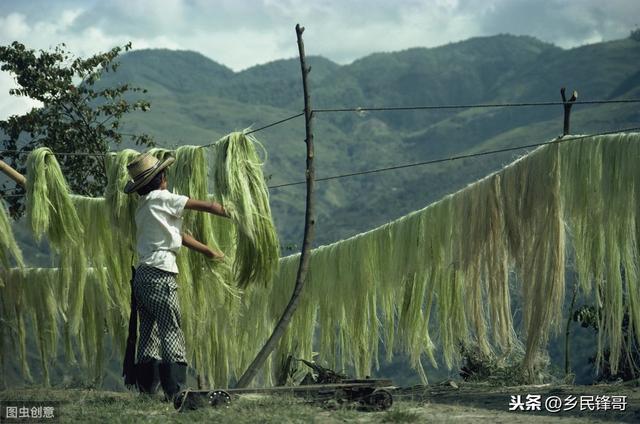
(159,223)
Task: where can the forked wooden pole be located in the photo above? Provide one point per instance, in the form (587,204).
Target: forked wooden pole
(309,223)
(566,127)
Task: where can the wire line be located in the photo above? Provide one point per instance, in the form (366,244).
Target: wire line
(377,109)
(472,106)
(276,123)
(265,127)
(434,107)
(281,121)
(440,160)
(452,158)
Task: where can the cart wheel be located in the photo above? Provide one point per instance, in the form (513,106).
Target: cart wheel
(379,400)
(219,398)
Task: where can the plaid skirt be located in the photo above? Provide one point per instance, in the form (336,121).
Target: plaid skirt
(161,336)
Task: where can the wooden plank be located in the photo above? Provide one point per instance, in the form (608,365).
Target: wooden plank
(310,388)
(377,381)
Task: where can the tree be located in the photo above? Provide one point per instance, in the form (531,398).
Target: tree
(628,367)
(76,116)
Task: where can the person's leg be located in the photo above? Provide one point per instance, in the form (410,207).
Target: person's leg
(173,378)
(148,376)
(148,355)
(172,345)
(173,366)
(147,366)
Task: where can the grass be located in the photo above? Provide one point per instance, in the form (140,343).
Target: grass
(398,415)
(436,403)
(81,406)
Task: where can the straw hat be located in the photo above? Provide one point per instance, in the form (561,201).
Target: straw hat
(142,170)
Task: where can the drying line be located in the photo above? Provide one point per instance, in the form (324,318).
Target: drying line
(453,158)
(473,106)
(281,121)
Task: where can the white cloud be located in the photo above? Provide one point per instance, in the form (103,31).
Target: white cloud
(13,26)
(13,105)
(243,47)
(68,17)
(416,26)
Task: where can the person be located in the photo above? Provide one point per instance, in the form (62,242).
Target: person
(161,354)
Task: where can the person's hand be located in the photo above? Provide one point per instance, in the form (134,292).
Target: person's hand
(226,210)
(216,256)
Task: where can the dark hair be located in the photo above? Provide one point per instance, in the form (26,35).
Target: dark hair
(154,184)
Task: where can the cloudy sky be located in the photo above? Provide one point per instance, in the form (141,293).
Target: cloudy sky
(242,33)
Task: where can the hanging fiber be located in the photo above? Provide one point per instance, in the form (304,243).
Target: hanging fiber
(240,186)
(12,319)
(190,177)
(604,227)
(437,278)
(49,208)
(208,297)
(110,262)
(452,261)
(94,271)
(122,206)
(10,253)
(31,296)
(50,211)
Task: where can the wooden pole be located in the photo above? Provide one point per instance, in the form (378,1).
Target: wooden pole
(566,128)
(309,223)
(13,174)
(567,109)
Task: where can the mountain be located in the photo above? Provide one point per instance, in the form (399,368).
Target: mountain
(195,101)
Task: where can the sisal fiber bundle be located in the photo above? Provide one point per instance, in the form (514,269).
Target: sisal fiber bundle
(208,297)
(50,211)
(10,255)
(110,263)
(452,261)
(30,296)
(49,207)
(190,177)
(601,210)
(10,252)
(13,308)
(240,186)
(121,205)
(92,296)
(533,208)
(435,279)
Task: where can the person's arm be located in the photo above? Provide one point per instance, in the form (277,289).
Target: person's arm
(193,244)
(211,207)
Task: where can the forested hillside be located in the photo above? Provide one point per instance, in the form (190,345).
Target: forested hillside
(195,100)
